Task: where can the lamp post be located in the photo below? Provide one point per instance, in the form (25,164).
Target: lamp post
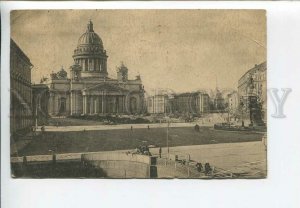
(242,109)
(36,123)
(168,150)
(36,112)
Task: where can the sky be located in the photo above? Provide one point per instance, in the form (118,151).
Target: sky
(182,50)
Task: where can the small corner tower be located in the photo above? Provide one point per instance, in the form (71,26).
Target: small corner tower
(75,72)
(122,73)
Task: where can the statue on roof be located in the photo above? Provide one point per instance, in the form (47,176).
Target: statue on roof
(53,75)
(62,74)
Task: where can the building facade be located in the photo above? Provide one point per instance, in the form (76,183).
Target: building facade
(191,103)
(184,103)
(252,90)
(89,90)
(158,104)
(20,90)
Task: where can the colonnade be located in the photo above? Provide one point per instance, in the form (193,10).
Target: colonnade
(103,104)
(90,64)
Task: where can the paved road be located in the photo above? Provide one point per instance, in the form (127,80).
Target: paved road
(119,126)
(245,157)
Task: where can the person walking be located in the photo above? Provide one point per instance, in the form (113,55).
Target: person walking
(207,168)
(43,129)
(199,167)
(197,128)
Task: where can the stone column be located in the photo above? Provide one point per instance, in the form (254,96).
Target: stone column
(95,105)
(84,105)
(71,103)
(75,103)
(113,104)
(118,104)
(103,102)
(121,110)
(124,104)
(91,104)
(56,104)
(49,107)
(106,103)
(86,64)
(98,105)
(95,64)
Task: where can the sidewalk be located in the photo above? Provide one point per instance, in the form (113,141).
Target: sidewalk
(119,126)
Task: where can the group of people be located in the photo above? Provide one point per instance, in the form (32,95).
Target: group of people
(34,129)
(207,168)
(143,149)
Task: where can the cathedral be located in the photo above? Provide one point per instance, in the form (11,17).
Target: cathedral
(89,90)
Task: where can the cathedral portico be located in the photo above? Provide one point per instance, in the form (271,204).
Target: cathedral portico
(104,100)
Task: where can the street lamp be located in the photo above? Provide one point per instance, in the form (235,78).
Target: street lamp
(168,138)
(36,113)
(242,109)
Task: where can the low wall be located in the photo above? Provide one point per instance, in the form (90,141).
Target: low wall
(117,156)
(120,165)
(110,164)
(121,168)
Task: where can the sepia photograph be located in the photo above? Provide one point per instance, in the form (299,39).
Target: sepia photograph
(149,94)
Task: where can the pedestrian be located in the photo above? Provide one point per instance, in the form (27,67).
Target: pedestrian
(197,128)
(148,127)
(160,152)
(43,129)
(131,128)
(199,167)
(207,168)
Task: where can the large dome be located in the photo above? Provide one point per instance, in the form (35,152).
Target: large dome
(90,37)
(90,54)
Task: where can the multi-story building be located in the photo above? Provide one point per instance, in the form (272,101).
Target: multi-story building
(191,103)
(252,90)
(183,103)
(20,90)
(89,90)
(158,104)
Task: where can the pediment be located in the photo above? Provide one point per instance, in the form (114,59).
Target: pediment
(108,87)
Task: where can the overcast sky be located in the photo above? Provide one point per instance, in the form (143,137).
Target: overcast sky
(182,50)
